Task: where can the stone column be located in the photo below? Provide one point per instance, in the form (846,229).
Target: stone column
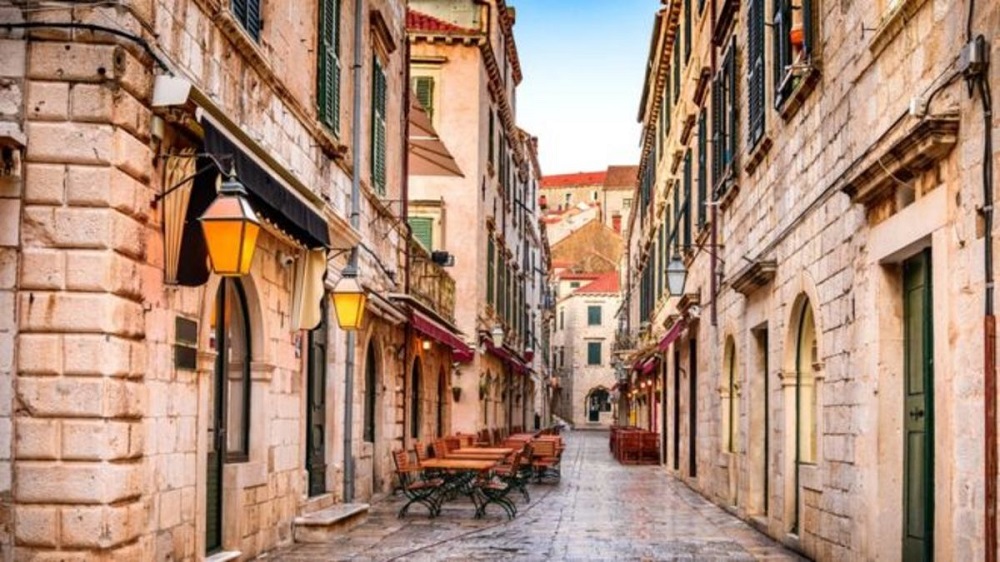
(80,398)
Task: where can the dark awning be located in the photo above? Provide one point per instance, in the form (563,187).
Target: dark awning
(460,351)
(269,197)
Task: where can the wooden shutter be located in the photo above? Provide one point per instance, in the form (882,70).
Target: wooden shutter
(755,71)
(329,65)
(677,219)
(677,72)
(807,25)
(247,12)
(687,199)
(378,127)
(490,271)
(491,140)
(424,88)
(702,172)
(717,131)
(782,48)
(423,231)
(594,353)
(687,30)
(731,121)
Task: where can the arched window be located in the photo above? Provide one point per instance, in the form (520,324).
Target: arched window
(232,389)
(370,390)
(415,377)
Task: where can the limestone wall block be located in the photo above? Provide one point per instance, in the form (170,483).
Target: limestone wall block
(61,396)
(100,440)
(44,184)
(124,399)
(132,155)
(12,57)
(95,354)
(74,62)
(79,483)
(70,142)
(90,186)
(42,269)
(10,214)
(47,101)
(96,527)
(91,102)
(39,354)
(37,439)
(36,525)
(79,312)
(8,267)
(11,96)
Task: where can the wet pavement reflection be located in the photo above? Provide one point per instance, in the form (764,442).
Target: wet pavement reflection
(598,510)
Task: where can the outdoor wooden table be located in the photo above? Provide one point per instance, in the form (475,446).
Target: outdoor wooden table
(462,465)
(459,476)
(480,454)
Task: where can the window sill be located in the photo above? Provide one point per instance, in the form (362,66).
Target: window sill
(807,83)
(757,154)
(892,23)
(726,190)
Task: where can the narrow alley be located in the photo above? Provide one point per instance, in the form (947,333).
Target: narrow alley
(599,510)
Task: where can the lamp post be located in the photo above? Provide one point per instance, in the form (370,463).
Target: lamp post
(676,276)
(496,335)
(230,227)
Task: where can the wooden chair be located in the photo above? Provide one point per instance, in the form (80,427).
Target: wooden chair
(416,488)
(545,459)
(496,488)
(514,473)
(629,447)
(440,449)
(649,448)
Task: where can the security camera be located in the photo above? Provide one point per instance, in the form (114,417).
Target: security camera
(286,260)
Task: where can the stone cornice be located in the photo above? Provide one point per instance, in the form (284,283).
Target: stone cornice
(507,27)
(916,151)
(755,275)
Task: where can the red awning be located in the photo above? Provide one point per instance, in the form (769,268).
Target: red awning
(461,352)
(506,356)
(672,335)
(649,366)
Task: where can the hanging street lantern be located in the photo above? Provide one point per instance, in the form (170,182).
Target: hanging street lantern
(230,227)
(676,276)
(349,301)
(496,334)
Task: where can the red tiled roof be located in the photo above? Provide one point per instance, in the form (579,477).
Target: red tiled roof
(606,283)
(573,180)
(417,21)
(621,177)
(569,275)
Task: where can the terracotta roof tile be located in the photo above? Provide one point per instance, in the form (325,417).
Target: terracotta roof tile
(573,180)
(418,21)
(621,177)
(606,283)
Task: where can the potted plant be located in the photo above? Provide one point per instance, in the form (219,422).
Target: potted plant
(797,36)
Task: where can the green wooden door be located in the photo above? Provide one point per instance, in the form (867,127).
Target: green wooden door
(316,426)
(918,444)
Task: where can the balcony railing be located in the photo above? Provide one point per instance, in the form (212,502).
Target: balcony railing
(431,284)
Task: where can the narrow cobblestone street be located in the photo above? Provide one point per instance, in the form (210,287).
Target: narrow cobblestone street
(600,510)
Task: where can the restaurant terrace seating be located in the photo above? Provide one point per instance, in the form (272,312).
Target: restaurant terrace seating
(545,458)
(631,445)
(495,490)
(416,487)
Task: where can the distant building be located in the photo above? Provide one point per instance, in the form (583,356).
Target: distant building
(609,191)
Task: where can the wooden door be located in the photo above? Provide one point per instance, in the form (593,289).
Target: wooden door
(918,444)
(316,399)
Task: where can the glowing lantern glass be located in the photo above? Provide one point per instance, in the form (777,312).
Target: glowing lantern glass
(231,228)
(349,301)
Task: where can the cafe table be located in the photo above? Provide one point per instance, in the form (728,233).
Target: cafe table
(459,476)
(493,453)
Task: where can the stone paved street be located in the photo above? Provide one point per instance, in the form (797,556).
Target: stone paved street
(600,510)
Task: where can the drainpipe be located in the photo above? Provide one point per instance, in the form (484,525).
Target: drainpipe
(713,281)
(405,211)
(352,262)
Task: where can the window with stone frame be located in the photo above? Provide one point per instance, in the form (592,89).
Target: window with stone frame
(423,231)
(724,123)
(247,13)
(702,171)
(793,44)
(594,315)
(378,127)
(328,86)
(687,31)
(593,353)
(755,72)
(423,88)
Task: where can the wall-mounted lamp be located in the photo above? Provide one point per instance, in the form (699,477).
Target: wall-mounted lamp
(349,300)
(676,276)
(496,334)
(425,345)
(230,227)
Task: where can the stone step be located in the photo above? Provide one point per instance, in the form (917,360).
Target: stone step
(326,524)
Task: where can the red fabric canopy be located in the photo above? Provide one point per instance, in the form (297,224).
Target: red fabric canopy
(672,335)
(506,357)
(649,366)
(460,351)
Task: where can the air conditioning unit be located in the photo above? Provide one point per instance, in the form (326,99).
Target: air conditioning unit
(444,259)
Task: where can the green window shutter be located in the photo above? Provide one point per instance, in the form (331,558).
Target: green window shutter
(423,86)
(378,128)
(593,315)
(702,172)
(755,72)
(717,131)
(782,49)
(677,219)
(687,199)
(677,73)
(491,140)
(731,123)
(329,65)
(594,353)
(490,273)
(687,31)
(423,231)
(247,12)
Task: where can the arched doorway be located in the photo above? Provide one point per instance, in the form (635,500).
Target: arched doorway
(229,422)
(598,400)
(801,399)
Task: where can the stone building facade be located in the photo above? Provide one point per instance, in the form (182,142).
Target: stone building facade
(610,191)
(150,409)
(821,180)
(464,66)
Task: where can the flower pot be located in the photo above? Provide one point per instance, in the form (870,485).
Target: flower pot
(797,36)
(456,392)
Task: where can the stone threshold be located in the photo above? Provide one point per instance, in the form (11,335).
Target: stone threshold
(224,556)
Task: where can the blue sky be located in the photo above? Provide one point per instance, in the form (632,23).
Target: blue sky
(583,63)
